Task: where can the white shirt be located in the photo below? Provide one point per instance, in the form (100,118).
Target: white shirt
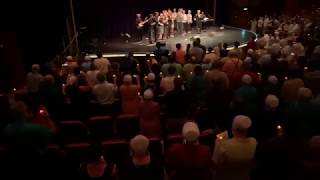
(102,65)
(104,92)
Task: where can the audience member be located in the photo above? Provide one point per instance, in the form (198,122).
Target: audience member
(233,157)
(180,54)
(189,160)
(130,95)
(150,125)
(104,91)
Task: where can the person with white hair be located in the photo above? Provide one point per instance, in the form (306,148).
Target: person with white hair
(150,83)
(130,95)
(233,157)
(190,160)
(139,150)
(142,165)
(34,79)
(246,97)
(149,111)
(268,119)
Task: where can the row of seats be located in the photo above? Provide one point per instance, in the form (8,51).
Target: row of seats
(99,127)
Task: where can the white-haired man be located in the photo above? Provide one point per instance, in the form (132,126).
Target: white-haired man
(233,157)
(189,161)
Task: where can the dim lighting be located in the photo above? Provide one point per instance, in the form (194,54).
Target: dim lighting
(41,111)
(114,76)
(245,9)
(179,76)
(279,127)
(14,89)
(207,71)
(138,93)
(286,78)
(306,68)
(191,73)
(138,65)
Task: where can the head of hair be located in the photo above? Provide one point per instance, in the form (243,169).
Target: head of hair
(210,49)
(101,77)
(158,45)
(190,132)
(241,124)
(178,46)
(148,94)
(139,145)
(271,101)
(188,46)
(99,54)
(198,40)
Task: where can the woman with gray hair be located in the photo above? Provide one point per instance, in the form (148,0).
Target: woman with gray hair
(142,166)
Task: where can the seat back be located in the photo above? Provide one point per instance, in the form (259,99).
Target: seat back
(101,127)
(73,132)
(127,126)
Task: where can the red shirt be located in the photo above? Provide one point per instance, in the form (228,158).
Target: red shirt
(187,161)
(180,56)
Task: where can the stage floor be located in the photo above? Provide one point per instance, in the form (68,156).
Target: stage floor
(210,37)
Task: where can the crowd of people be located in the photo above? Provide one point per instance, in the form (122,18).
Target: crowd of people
(169,23)
(265,96)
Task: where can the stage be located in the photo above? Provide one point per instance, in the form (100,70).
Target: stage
(210,37)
